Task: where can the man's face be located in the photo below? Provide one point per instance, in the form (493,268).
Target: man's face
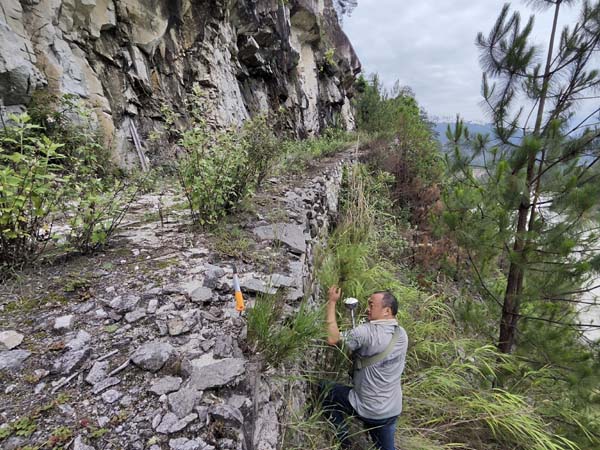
(376,310)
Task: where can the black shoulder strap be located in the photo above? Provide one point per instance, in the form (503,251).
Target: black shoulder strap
(361,363)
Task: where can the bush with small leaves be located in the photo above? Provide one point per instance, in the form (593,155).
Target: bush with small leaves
(221,168)
(70,122)
(262,145)
(96,215)
(31,189)
(214,174)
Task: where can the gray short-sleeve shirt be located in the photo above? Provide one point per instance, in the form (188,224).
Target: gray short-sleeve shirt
(377,392)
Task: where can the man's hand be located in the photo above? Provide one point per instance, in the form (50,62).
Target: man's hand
(334,293)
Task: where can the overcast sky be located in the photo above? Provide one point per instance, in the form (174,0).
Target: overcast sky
(430,46)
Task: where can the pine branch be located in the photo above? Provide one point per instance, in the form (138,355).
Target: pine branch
(481,281)
(578,126)
(557,322)
(567,300)
(569,155)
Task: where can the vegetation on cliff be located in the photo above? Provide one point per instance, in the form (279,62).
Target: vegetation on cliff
(487,264)
(53,170)
(465,241)
(461,391)
(61,192)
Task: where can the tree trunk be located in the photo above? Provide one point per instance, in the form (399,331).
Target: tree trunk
(516,271)
(546,79)
(514,286)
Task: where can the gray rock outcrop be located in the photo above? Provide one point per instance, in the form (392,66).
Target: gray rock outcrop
(165,385)
(185,375)
(207,374)
(10,339)
(288,234)
(13,359)
(79,445)
(127,58)
(183,401)
(188,444)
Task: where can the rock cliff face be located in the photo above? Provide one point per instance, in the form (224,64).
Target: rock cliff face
(128,58)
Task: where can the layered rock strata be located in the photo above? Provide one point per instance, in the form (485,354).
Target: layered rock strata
(129,59)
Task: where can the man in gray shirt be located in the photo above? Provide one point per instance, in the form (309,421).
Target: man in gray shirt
(376,395)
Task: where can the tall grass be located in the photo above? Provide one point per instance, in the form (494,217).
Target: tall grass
(297,154)
(280,339)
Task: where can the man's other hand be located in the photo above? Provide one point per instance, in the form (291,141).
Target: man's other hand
(334,293)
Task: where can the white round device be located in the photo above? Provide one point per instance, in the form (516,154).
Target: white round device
(351,302)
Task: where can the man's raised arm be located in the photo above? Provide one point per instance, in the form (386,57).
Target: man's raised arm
(333,332)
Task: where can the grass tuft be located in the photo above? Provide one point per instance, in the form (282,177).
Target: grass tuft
(280,339)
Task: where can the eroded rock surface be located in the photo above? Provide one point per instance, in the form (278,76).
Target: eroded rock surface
(13,359)
(128,58)
(153,355)
(166,385)
(206,374)
(10,339)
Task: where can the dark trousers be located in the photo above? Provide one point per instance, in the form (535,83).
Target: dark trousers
(338,409)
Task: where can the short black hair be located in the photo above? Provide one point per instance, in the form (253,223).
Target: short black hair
(389,300)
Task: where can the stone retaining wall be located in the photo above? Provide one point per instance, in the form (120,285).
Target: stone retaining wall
(274,398)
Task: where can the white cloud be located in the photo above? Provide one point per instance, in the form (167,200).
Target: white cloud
(430,46)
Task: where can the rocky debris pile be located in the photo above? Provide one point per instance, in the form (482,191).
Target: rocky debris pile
(151,353)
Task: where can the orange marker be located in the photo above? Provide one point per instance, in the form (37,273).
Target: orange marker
(239,298)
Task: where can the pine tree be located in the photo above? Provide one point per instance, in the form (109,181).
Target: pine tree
(531,208)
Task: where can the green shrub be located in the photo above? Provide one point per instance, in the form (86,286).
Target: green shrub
(40,179)
(262,146)
(215,175)
(98,212)
(24,427)
(31,189)
(70,122)
(59,437)
(406,147)
(328,55)
(222,167)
